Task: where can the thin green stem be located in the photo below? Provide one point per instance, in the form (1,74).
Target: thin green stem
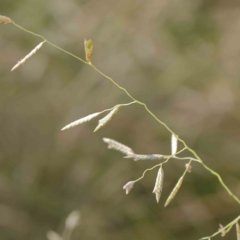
(25,30)
(158,165)
(221,181)
(127,104)
(186,158)
(118,105)
(149,169)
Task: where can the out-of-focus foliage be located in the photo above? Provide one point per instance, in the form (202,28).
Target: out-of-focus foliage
(180,57)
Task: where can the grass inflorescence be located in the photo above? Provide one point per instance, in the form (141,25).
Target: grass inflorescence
(127,151)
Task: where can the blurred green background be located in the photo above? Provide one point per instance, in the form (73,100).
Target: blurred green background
(179,57)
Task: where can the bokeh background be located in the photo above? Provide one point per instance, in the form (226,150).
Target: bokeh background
(180,57)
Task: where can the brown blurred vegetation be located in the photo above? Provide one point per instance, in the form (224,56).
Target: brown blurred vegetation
(180,57)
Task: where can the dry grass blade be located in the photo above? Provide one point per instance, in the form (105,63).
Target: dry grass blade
(128,187)
(174,143)
(112,144)
(174,191)
(137,157)
(28,56)
(88,49)
(5,20)
(159,184)
(238,231)
(81,120)
(102,122)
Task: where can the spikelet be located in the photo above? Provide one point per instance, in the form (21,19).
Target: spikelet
(128,187)
(174,143)
(112,144)
(223,232)
(51,235)
(28,56)
(81,120)
(238,231)
(88,49)
(102,122)
(5,20)
(137,157)
(188,166)
(174,191)
(159,184)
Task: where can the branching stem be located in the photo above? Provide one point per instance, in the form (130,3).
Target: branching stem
(197,158)
(158,165)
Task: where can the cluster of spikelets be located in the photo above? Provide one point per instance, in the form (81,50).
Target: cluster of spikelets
(102,122)
(72,221)
(157,190)
(129,153)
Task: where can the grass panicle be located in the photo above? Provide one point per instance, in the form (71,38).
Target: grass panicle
(88,49)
